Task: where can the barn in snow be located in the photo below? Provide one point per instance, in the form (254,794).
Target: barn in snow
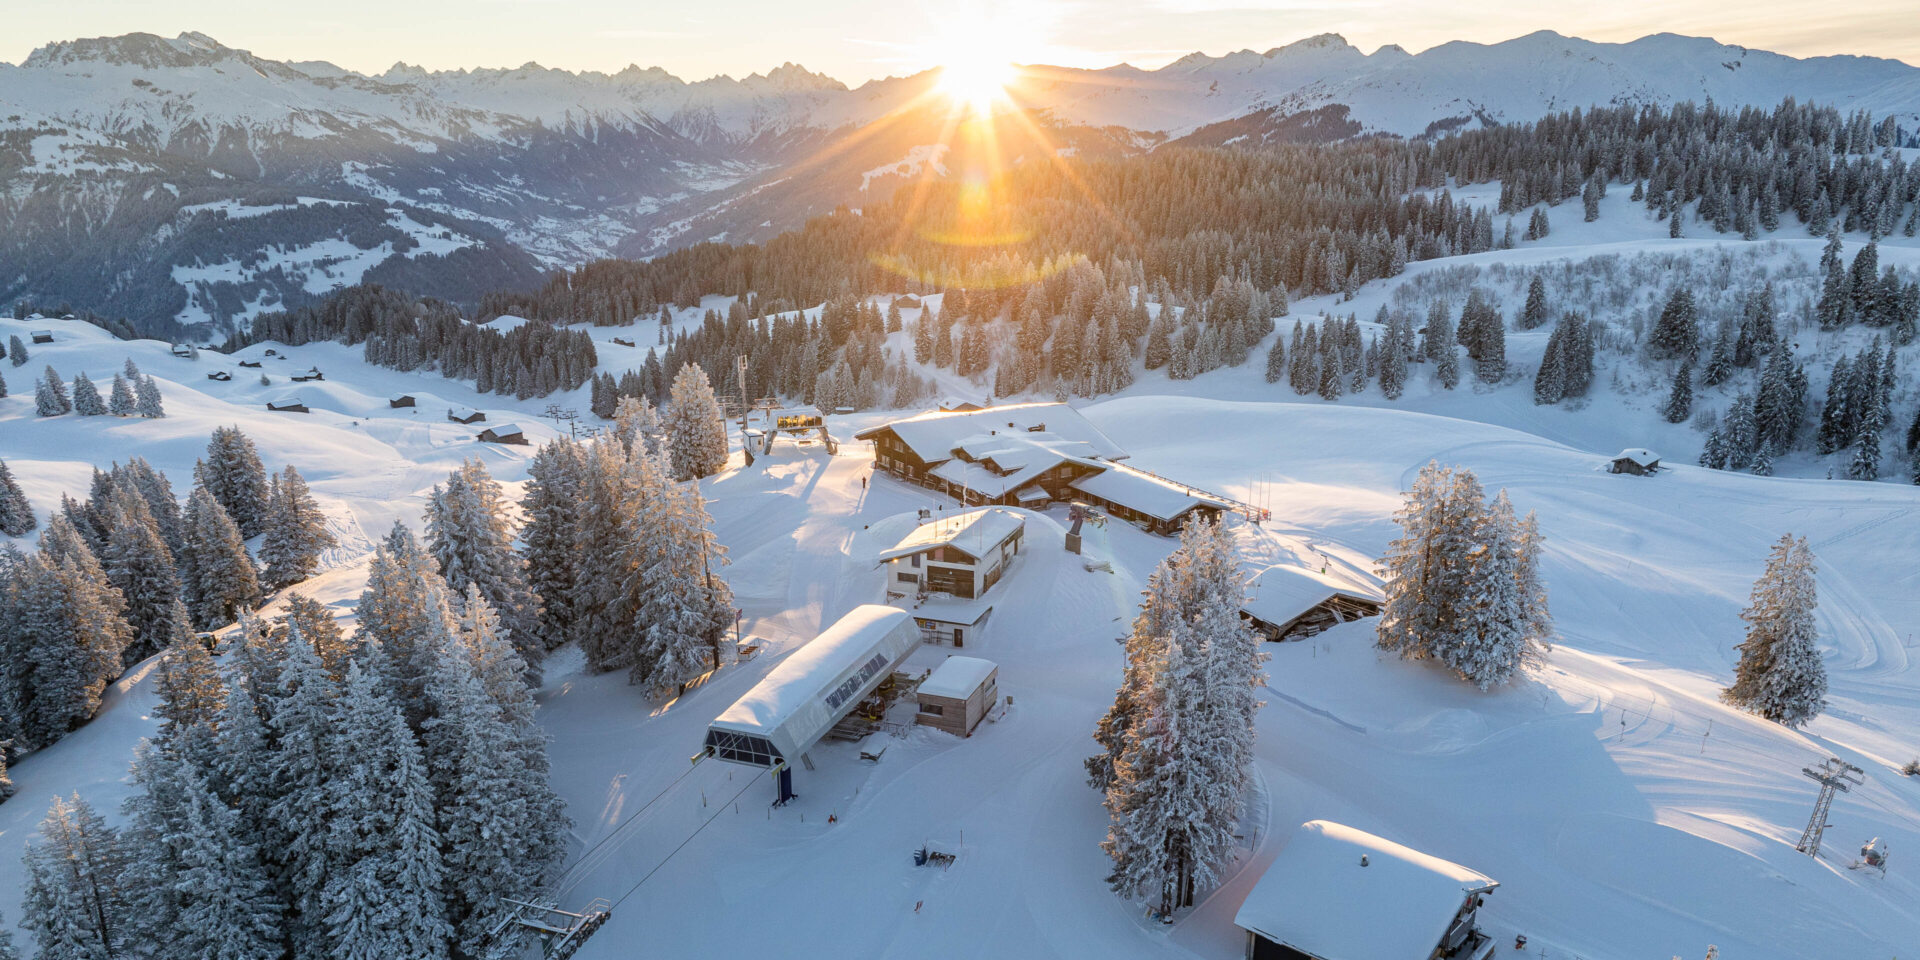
(1031,455)
(1637,461)
(1286,602)
(1337,893)
(465,415)
(288,405)
(504,433)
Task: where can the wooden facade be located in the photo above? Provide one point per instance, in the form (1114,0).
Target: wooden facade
(892,455)
(955,715)
(1337,609)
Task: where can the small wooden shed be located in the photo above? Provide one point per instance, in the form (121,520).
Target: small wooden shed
(466,415)
(313,373)
(220,375)
(250,363)
(958,694)
(1636,461)
(183,350)
(504,433)
(287,405)
(42,336)
(402,400)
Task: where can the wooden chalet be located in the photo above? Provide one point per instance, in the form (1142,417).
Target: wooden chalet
(958,694)
(403,400)
(957,405)
(466,415)
(1031,455)
(287,405)
(1337,893)
(1286,602)
(220,375)
(504,433)
(962,555)
(622,343)
(183,351)
(313,373)
(42,336)
(1635,461)
(250,363)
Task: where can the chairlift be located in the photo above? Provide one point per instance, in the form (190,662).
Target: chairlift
(561,932)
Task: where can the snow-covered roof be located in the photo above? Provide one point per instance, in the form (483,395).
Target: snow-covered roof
(956,403)
(504,429)
(1639,455)
(464,412)
(974,531)
(1280,593)
(1317,898)
(957,678)
(933,436)
(293,401)
(1009,461)
(1150,495)
(802,698)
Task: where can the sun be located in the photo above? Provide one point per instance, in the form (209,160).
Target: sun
(979,82)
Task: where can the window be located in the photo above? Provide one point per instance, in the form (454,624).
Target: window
(933,709)
(906,577)
(916,561)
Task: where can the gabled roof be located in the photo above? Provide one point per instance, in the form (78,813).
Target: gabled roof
(933,436)
(1157,498)
(1639,455)
(997,463)
(971,530)
(1316,897)
(504,429)
(1280,594)
(293,401)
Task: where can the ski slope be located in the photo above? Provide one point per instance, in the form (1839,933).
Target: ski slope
(1625,811)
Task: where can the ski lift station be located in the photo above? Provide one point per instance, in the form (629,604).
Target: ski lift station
(1337,893)
(802,699)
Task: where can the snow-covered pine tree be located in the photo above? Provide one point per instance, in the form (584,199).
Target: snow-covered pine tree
(120,400)
(16,351)
(615,488)
(306,791)
(16,513)
(190,690)
(1549,381)
(74,902)
(1535,312)
(147,399)
(50,395)
(234,475)
(405,610)
(637,423)
(549,540)
(218,577)
(383,894)
(1679,405)
(683,603)
(321,630)
(469,538)
(228,906)
(1780,675)
(1495,625)
(1677,332)
(295,533)
(67,627)
(87,401)
(1421,565)
(138,565)
(696,436)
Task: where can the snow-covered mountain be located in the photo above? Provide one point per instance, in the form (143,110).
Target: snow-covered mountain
(123,159)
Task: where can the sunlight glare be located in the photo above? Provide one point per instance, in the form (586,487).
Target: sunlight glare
(978,82)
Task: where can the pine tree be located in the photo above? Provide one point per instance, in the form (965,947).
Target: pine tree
(1549,382)
(16,351)
(86,397)
(147,399)
(120,400)
(1677,333)
(74,903)
(218,577)
(1276,360)
(681,605)
(1780,675)
(404,609)
(1535,312)
(138,564)
(16,513)
(552,505)
(469,538)
(305,790)
(384,890)
(190,690)
(295,532)
(50,395)
(696,436)
(228,907)
(1679,405)
(234,475)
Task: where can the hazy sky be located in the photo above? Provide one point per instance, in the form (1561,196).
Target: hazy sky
(856,40)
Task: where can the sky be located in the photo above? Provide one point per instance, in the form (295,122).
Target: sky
(858,40)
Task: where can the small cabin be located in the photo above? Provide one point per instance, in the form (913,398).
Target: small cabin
(220,375)
(908,302)
(1286,602)
(957,694)
(962,554)
(250,363)
(466,415)
(42,336)
(1337,893)
(1635,461)
(957,405)
(287,405)
(504,433)
(622,343)
(272,352)
(183,351)
(313,373)
(403,400)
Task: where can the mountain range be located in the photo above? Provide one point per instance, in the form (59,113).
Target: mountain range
(188,185)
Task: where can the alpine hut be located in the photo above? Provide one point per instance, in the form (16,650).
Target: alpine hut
(504,433)
(963,554)
(1637,461)
(42,336)
(288,405)
(400,400)
(183,350)
(1286,602)
(219,375)
(1337,893)
(465,415)
(791,708)
(957,694)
